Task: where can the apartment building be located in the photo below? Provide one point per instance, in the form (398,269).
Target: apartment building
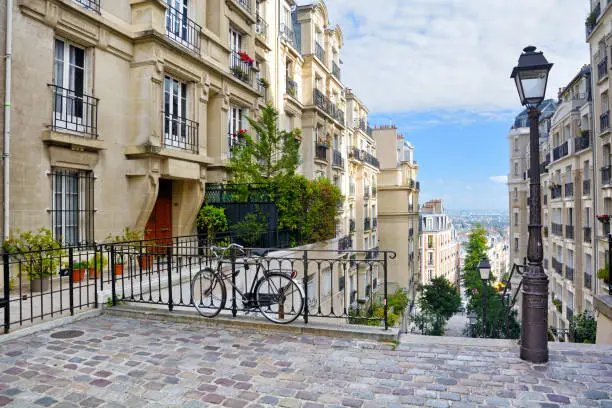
(440,249)
(497,253)
(398,212)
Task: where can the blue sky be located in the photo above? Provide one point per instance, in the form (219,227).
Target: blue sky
(439,69)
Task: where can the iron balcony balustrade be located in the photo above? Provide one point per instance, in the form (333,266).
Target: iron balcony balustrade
(292,87)
(362,125)
(180,133)
(556,192)
(591,22)
(287,35)
(569,190)
(337,159)
(183,30)
(355,153)
(367,224)
(557,266)
(557,229)
(606,173)
(569,231)
(75,111)
(320,52)
(569,273)
(321,152)
(588,234)
(370,159)
(261,28)
(602,69)
(560,151)
(604,121)
(545,199)
(234,141)
(569,312)
(588,281)
(586,187)
(262,88)
(321,101)
(345,243)
(90,4)
(336,71)
(246,4)
(582,142)
(241,69)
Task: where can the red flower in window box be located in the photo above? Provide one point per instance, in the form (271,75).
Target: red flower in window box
(242,132)
(604,218)
(245,57)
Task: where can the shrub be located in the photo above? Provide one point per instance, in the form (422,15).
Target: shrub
(39,252)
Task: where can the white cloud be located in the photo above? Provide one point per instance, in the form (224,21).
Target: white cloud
(499,179)
(453,54)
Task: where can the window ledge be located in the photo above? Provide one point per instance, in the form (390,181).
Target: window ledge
(73,140)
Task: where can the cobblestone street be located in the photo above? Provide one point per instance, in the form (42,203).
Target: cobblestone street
(121,362)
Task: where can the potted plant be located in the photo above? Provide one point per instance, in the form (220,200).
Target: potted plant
(604,218)
(39,255)
(78,271)
(129,239)
(96,264)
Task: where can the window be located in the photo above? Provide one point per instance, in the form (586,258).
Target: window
(516,217)
(587,216)
(178,131)
(179,27)
(516,244)
(515,193)
(235,40)
(73,206)
(570,216)
(516,171)
(235,126)
(430,241)
(430,258)
(516,144)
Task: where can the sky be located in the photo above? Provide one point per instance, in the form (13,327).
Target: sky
(440,70)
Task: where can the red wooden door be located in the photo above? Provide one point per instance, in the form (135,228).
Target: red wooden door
(159,226)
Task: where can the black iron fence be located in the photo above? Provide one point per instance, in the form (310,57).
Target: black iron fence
(337,159)
(557,229)
(321,152)
(569,231)
(556,191)
(602,68)
(569,272)
(75,111)
(583,141)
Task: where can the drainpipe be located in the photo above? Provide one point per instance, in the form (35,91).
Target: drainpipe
(594,191)
(7,116)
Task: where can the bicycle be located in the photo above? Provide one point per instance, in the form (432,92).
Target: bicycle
(269,294)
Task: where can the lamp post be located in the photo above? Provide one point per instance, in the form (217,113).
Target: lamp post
(485,274)
(531,76)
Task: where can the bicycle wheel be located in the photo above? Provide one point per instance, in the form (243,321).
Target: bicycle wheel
(279,298)
(208,293)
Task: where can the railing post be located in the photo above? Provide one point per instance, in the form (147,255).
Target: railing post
(305,280)
(70,282)
(113,277)
(7,294)
(96,274)
(385,302)
(233,261)
(169,267)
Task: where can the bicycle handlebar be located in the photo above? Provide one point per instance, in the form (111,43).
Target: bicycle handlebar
(220,251)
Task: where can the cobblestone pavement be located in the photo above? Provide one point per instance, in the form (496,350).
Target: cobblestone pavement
(121,362)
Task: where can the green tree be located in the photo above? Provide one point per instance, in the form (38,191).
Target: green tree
(583,328)
(251,228)
(496,316)
(475,251)
(212,220)
(272,155)
(438,302)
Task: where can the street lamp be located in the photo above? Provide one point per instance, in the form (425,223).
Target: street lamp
(531,77)
(485,274)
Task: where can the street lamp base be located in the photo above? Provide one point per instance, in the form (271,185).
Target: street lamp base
(536,356)
(534,328)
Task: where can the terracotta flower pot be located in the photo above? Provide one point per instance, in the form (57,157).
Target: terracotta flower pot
(119,269)
(78,275)
(94,274)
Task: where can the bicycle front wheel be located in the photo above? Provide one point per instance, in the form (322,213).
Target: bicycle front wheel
(279,298)
(208,293)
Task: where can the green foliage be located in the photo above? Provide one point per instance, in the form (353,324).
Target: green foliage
(128,235)
(98,261)
(251,227)
(439,301)
(79,265)
(427,324)
(398,301)
(272,155)
(39,252)
(496,316)
(604,273)
(323,210)
(212,220)
(374,315)
(583,328)
(475,251)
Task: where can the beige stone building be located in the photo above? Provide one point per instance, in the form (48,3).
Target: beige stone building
(440,249)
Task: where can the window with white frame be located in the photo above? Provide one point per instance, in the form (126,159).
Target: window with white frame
(236,126)
(72,206)
(176,127)
(235,40)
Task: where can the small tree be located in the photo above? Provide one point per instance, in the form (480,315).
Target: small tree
(583,328)
(272,155)
(212,220)
(251,227)
(496,316)
(439,301)
(475,251)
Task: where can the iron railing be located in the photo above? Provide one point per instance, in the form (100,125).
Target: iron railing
(288,35)
(321,101)
(180,133)
(588,281)
(320,52)
(557,266)
(366,224)
(544,230)
(345,243)
(337,159)
(557,229)
(75,111)
(336,73)
(606,230)
(606,173)
(73,206)
(591,22)
(240,68)
(90,4)
(181,29)
(582,142)
(586,187)
(560,151)
(604,121)
(374,223)
(261,28)
(246,4)
(355,153)
(602,69)
(569,272)
(556,191)
(321,152)
(569,231)
(569,190)
(588,233)
(545,200)
(370,159)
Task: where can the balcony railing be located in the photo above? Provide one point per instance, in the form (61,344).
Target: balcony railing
(544,231)
(336,71)
(180,133)
(606,173)
(606,230)
(569,190)
(321,152)
(234,141)
(183,30)
(368,158)
(240,68)
(320,52)
(262,88)
(569,272)
(592,19)
(355,153)
(90,4)
(75,111)
(352,225)
(288,35)
(569,231)
(569,312)
(345,243)
(602,69)
(246,4)
(556,191)
(410,232)
(557,266)
(588,281)
(337,159)
(588,234)
(557,229)
(560,151)
(545,201)
(328,107)
(261,28)
(586,187)
(582,142)
(604,121)
(366,224)
(292,87)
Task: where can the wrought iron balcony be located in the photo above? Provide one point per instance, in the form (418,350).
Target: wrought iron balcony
(582,142)
(337,159)
(246,4)
(368,158)
(591,21)
(602,68)
(560,151)
(545,199)
(604,121)
(180,133)
(261,28)
(606,173)
(352,225)
(234,141)
(336,70)
(292,87)
(544,231)
(366,224)
(240,68)
(262,88)
(569,272)
(74,111)
(569,231)
(588,281)
(569,190)
(556,191)
(588,232)
(355,153)
(345,243)
(287,35)
(321,101)
(557,266)
(320,52)
(606,230)
(362,125)
(321,152)
(586,187)
(557,229)
(183,30)
(90,4)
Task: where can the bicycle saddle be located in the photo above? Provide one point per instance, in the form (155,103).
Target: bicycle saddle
(261,252)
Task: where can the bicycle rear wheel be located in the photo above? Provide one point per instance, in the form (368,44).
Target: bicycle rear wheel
(279,298)
(208,293)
